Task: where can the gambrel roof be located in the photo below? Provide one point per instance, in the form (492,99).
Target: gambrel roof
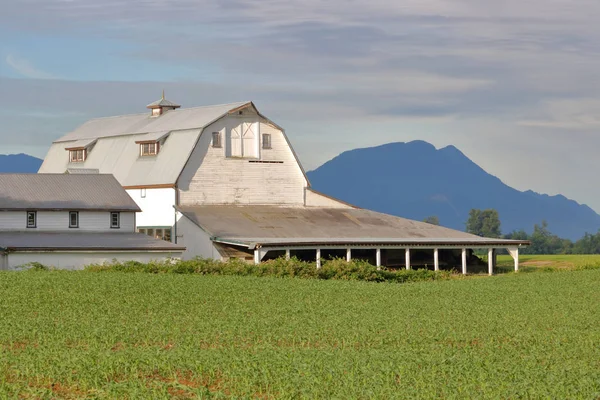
(97,192)
(112,147)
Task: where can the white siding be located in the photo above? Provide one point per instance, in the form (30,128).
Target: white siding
(196,241)
(212,178)
(78,260)
(98,221)
(157,207)
(318,200)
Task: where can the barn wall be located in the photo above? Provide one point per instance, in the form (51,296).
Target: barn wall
(78,260)
(318,200)
(157,206)
(59,221)
(3,261)
(210,177)
(196,241)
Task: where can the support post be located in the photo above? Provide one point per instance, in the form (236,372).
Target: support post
(407,258)
(348,255)
(287,254)
(257,256)
(490,261)
(318,258)
(464,261)
(436,259)
(378,257)
(514,253)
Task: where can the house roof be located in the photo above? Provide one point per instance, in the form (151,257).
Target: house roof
(63,192)
(38,240)
(259,226)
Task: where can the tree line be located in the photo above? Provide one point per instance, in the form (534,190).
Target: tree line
(543,241)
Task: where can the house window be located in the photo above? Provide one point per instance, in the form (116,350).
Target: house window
(149,149)
(115,220)
(157,233)
(77,155)
(73,219)
(216,139)
(266,141)
(31,219)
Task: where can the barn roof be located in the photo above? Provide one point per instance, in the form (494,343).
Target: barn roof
(63,192)
(256,226)
(43,241)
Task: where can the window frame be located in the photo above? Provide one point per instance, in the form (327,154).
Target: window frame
(154,152)
(218,144)
(76,225)
(268,144)
(118,224)
(74,155)
(34,225)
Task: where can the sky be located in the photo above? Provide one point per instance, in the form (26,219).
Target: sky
(513,84)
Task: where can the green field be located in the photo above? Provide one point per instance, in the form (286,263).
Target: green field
(136,335)
(532,263)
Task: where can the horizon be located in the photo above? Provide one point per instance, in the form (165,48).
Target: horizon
(512,85)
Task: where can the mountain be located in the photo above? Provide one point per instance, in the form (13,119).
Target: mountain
(415,180)
(19,163)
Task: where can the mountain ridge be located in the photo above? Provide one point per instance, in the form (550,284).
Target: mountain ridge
(415,180)
(19,163)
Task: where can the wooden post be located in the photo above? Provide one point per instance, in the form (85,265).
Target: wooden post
(287,254)
(514,253)
(407,258)
(436,260)
(257,256)
(464,261)
(348,255)
(490,261)
(318,258)
(378,257)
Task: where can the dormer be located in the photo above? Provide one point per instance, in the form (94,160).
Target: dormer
(150,143)
(161,106)
(79,149)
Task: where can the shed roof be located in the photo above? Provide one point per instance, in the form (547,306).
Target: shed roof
(46,241)
(63,192)
(256,226)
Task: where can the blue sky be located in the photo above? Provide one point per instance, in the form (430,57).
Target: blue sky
(513,84)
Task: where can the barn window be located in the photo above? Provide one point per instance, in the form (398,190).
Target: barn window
(149,149)
(77,155)
(244,140)
(31,219)
(216,139)
(266,141)
(73,219)
(115,220)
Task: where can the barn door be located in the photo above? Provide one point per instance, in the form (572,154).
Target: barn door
(248,139)
(236,141)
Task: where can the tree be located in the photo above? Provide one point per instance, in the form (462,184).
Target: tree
(484,223)
(432,219)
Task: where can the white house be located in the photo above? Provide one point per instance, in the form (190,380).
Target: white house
(225,182)
(69,221)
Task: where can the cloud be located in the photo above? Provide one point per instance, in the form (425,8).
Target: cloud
(26,69)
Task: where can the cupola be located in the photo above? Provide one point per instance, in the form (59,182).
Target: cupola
(162,105)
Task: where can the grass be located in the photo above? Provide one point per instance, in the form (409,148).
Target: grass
(548,263)
(135,335)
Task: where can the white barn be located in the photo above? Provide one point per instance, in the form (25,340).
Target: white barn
(69,221)
(225,182)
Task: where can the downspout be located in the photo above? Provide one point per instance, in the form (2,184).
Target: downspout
(175,213)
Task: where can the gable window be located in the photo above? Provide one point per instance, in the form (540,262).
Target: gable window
(149,149)
(266,141)
(31,219)
(77,155)
(115,220)
(216,139)
(73,219)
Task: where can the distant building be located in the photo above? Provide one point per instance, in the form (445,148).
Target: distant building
(69,221)
(225,182)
